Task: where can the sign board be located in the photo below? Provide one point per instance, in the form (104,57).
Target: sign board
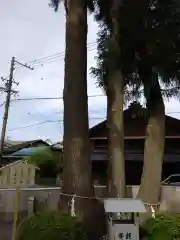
(124,205)
(122,220)
(125,232)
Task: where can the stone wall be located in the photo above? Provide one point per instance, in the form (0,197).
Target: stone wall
(45,197)
(49,198)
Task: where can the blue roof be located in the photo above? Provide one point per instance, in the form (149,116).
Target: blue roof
(28,151)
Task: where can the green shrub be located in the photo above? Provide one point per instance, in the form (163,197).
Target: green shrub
(163,227)
(51,226)
(43,159)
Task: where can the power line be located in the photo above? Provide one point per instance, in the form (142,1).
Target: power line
(36,124)
(60,98)
(41,64)
(61,120)
(51,98)
(44,122)
(2,104)
(56,56)
(53,60)
(46,98)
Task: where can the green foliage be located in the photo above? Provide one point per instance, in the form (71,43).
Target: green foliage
(163,227)
(55,4)
(51,226)
(100,73)
(39,156)
(150,46)
(43,159)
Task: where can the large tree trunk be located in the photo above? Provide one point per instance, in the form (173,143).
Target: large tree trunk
(115,117)
(77,170)
(150,186)
(116,136)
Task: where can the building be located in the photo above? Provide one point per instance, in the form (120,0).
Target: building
(55,149)
(10,147)
(134,136)
(13,146)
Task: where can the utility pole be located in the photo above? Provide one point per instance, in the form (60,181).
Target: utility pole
(7,102)
(6,110)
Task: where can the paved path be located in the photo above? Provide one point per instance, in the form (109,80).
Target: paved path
(5,231)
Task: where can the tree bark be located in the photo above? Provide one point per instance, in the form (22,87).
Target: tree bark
(116,136)
(115,93)
(77,169)
(154,147)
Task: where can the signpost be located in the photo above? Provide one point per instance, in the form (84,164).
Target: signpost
(123,218)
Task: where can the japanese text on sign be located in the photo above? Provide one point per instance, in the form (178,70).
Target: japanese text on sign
(125,236)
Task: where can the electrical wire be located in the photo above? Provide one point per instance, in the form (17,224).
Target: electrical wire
(51,98)
(36,124)
(55,121)
(55,57)
(54,61)
(56,54)
(59,121)
(60,57)
(44,122)
(2,104)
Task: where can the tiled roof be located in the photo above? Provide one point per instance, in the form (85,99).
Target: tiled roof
(135,126)
(57,146)
(11,146)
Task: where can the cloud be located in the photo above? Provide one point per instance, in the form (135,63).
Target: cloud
(31,30)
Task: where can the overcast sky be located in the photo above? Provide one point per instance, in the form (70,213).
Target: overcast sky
(31,30)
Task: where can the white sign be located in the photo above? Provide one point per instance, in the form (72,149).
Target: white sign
(125,232)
